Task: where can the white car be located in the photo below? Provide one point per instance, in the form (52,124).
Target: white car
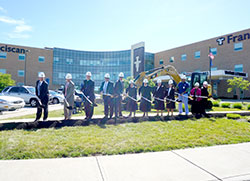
(56,97)
(10,103)
(27,93)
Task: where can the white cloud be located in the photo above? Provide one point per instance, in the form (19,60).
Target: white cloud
(20,27)
(3,10)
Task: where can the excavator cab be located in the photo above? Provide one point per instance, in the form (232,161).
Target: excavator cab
(200,77)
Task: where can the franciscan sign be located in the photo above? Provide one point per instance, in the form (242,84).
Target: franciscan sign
(7,48)
(233,38)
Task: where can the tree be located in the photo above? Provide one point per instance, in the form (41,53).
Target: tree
(126,82)
(238,83)
(5,80)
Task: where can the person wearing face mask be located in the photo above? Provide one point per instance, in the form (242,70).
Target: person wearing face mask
(145,93)
(42,93)
(170,95)
(159,94)
(69,94)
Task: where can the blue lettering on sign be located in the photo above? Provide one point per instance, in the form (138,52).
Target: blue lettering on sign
(7,48)
(233,38)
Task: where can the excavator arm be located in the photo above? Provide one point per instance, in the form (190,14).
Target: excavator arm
(160,71)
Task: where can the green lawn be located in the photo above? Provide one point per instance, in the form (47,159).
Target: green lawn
(99,111)
(121,139)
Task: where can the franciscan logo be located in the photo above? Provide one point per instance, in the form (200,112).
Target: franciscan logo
(233,38)
(7,48)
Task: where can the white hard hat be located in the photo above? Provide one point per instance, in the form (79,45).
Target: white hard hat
(183,77)
(41,74)
(121,74)
(145,81)
(68,76)
(131,81)
(170,82)
(205,83)
(88,74)
(107,76)
(197,84)
(158,81)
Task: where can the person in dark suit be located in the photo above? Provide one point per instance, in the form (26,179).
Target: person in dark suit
(42,92)
(132,92)
(170,95)
(159,93)
(118,91)
(107,90)
(145,92)
(88,90)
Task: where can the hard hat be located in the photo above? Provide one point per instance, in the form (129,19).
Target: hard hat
(170,82)
(41,75)
(121,74)
(68,76)
(88,74)
(107,76)
(183,77)
(197,84)
(158,81)
(205,83)
(145,81)
(131,82)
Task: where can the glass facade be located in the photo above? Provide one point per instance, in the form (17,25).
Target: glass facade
(98,63)
(149,60)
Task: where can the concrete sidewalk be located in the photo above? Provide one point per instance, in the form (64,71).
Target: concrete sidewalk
(225,162)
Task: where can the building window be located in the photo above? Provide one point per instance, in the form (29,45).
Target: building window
(56,59)
(21,57)
(238,46)
(3,71)
(213,68)
(238,68)
(197,54)
(41,59)
(3,55)
(184,57)
(171,60)
(161,62)
(20,73)
(69,61)
(214,51)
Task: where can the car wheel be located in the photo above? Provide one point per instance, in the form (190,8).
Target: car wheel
(33,102)
(55,101)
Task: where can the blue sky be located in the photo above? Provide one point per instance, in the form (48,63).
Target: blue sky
(100,25)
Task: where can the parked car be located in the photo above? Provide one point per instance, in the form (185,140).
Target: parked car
(56,97)
(27,93)
(10,103)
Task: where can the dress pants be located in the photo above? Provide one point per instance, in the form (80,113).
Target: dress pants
(89,110)
(185,101)
(118,106)
(67,112)
(108,106)
(40,108)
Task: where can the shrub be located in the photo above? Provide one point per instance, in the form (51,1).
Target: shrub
(233,116)
(237,105)
(248,107)
(216,104)
(225,105)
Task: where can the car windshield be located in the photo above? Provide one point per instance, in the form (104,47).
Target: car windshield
(31,89)
(52,92)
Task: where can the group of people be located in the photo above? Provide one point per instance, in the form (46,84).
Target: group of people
(113,94)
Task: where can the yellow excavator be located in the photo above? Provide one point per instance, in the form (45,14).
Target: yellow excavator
(172,72)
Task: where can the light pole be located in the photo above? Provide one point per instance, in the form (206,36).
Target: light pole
(25,65)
